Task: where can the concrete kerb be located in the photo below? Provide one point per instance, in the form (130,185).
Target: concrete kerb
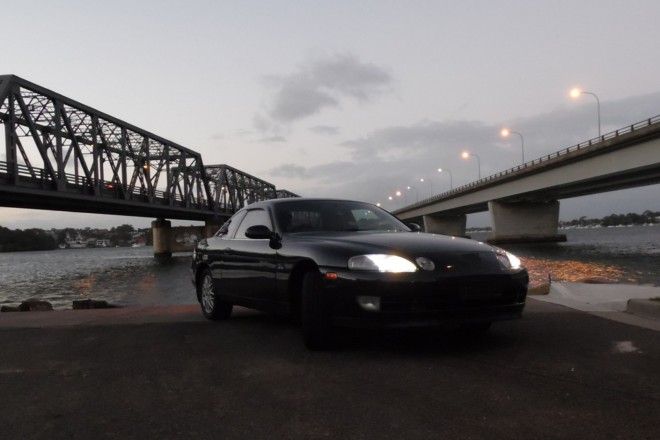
(603,298)
(646,308)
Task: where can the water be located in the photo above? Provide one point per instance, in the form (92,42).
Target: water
(121,276)
(615,255)
(132,277)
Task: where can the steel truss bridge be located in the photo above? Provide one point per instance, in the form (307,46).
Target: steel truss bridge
(62,155)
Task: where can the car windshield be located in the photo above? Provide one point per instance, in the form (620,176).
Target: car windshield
(334,215)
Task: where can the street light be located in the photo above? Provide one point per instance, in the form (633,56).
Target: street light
(506,132)
(575,93)
(467,154)
(451,178)
(430,182)
(416,193)
(396,194)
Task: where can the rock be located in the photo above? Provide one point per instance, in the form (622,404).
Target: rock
(85,304)
(594,280)
(542,289)
(9,309)
(33,305)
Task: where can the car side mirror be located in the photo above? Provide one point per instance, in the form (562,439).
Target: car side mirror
(259,232)
(415,227)
(264,233)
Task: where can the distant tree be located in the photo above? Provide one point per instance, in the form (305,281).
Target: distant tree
(28,240)
(123,234)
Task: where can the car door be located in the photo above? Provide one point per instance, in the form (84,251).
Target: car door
(249,266)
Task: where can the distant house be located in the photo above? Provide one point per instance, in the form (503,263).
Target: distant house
(103,243)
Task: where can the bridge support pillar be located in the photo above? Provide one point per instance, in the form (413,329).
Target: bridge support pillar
(162,238)
(525,222)
(445,224)
(178,239)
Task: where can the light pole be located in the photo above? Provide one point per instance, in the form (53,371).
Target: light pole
(430,182)
(467,154)
(451,178)
(505,133)
(575,93)
(416,193)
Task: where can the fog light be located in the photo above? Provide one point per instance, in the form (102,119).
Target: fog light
(369,303)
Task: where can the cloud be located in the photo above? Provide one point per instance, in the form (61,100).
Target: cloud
(273,139)
(426,137)
(322,83)
(393,158)
(325,130)
(289,171)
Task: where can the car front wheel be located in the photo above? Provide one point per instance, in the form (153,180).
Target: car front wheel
(316,313)
(213,308)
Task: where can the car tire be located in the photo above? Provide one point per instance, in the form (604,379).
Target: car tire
(213,308)
(316,316)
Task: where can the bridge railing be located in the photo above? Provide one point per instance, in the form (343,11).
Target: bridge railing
(591,143)
(66,146)
(53,143)
(40,178)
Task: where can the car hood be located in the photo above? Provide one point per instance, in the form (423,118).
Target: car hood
(417,243)
(452,256)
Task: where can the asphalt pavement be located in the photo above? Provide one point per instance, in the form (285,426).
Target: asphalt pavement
(558,373)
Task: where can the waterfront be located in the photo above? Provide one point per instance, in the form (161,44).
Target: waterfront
(132,277)
(121,276)
(626,255)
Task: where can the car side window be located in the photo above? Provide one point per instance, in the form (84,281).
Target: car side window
(229,228)
(252,218)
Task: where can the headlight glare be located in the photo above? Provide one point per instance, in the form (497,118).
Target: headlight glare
(381,263)
(508,260)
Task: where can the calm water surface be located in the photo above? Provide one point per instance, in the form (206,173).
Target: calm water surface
(122,276)
(616,255)
(132,277)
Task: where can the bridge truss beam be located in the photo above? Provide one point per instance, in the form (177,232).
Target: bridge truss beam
(232,189)
(55,146)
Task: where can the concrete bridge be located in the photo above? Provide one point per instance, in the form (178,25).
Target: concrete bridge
(59,154)
(524,201)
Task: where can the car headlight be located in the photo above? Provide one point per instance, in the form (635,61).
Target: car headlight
(508,260)
(381,263)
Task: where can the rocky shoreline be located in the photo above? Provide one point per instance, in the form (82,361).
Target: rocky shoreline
(33,305)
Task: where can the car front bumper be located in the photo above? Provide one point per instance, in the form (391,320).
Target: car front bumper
(406,300)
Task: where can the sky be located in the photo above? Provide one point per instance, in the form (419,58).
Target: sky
(349,99)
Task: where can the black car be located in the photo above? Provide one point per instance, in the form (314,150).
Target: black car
(345,263)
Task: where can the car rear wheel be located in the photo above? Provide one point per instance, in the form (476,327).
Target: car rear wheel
(316,314)
(213,308)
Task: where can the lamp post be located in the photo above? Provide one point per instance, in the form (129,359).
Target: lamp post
(575,93)
(416,193)
(430,182)
(506,132)
(451,178)
(467,154)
